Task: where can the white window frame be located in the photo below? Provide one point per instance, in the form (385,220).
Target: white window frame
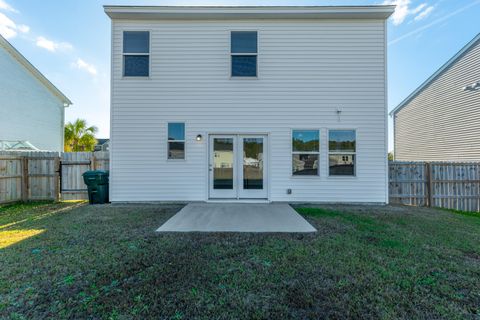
(137,54)
(342,153)
(305,152)
(184,142)
(243,54)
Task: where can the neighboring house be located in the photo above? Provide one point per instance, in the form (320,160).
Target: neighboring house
(271,103)
(102,145)
(440,121)
(31,108)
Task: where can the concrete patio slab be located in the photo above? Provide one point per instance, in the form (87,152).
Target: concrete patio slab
(236,217)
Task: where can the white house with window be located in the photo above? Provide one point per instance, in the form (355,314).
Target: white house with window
(249,104)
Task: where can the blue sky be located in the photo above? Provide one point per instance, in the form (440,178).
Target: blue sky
(69,42)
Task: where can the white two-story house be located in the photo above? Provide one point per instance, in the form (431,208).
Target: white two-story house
(249,103)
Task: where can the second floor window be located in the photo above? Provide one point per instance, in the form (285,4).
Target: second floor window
(243,48)
(136,53)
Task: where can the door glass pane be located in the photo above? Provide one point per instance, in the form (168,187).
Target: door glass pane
(253,163)
(223,163)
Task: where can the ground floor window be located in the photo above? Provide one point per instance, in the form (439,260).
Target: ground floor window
(341,152)
(305,152)
(176,140)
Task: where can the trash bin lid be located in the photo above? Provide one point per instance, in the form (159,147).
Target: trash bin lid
(96,172)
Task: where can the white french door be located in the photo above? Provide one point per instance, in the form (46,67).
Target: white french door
(238,167)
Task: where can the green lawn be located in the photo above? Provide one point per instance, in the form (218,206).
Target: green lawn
(68,260)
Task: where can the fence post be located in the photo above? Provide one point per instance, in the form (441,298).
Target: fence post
(57,178)
(93,162)
(24,179)
(428,185)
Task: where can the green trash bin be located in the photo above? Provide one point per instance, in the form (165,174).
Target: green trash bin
(97,184)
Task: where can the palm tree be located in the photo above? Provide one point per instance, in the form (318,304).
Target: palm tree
(79,137)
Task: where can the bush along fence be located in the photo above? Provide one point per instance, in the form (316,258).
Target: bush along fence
(451,185)
(37,175)
(26,176)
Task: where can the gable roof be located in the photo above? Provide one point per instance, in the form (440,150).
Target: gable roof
(34,71)
(442,69)
(249,12)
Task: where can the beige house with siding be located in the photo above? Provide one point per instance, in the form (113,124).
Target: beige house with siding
(440,121)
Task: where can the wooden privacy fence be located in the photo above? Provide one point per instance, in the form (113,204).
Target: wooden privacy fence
(53,176)
(35,175)
(451,185)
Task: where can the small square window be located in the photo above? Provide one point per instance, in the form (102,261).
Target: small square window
(244,42)
(135,66)
(136,42)
(244,66)
(176,150)
(305,164)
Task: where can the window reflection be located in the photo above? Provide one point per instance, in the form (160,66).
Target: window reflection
(252,163)
(223,163)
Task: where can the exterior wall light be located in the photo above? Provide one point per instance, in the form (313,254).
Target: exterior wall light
(199,137)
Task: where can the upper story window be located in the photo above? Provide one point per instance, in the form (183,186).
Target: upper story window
(176,140)
(305,152)
(341,152)
(244,53)
(136,53)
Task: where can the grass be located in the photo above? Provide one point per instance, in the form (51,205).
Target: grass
(68,260)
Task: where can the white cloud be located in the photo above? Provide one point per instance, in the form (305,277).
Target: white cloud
(9,29)
(5,6)
(53,46)
(82,65)
(425,13)
(419,8)
(23,28)
(403,10)
(434,23)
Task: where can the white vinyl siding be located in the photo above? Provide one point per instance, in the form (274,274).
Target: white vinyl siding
(28,110)
(441,123)
(304,68)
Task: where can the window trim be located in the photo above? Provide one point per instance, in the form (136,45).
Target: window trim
(137,54)
(342,153)
(184,141)
(231,54)
(318,153)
